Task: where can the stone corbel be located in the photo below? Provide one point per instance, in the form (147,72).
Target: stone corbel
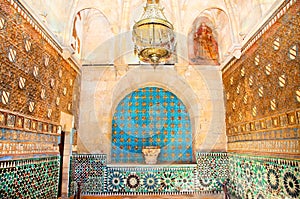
(67,52)
(236,50)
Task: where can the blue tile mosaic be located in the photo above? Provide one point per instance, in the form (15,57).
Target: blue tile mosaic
(151,116)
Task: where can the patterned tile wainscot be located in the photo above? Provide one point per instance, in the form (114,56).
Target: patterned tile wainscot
(263,177)
(247,176)
(97,178)
(212,171)
(29,178)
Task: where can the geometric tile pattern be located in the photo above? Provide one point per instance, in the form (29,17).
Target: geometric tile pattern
(29,178)
(88,172)
(151,116)
(23,142)
(96,178)
(212,171)
(264,177)
(246,176)
(169,179)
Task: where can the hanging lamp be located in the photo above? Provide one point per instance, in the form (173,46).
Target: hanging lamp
(153,35)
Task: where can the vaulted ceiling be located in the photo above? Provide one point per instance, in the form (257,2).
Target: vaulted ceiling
(99,32)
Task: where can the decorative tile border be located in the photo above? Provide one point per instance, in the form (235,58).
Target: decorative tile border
(25,135)
(149,180)
(287,120)
(29,178)
(15,121)
(247,176)
(212,171)
(263,177)
(97,178)
(15,142)
(277,134)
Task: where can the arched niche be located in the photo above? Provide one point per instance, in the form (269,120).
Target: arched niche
(209,37)
(90,32)
(151,116)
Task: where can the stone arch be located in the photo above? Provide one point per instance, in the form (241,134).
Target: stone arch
(168,80)
(151,116)
(199,91)
(82,22)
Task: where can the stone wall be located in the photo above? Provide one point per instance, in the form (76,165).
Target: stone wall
(199,89)
(262,89)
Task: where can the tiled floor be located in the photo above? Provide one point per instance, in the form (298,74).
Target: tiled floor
(220,196)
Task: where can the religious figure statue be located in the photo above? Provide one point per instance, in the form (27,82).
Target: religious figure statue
(205,46)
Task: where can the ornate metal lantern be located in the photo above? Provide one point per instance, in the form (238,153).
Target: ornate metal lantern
(153,35)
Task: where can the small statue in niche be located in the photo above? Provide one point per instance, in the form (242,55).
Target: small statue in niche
(205,46)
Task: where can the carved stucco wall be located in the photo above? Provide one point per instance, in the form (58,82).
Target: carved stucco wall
(262,91)
(200,90)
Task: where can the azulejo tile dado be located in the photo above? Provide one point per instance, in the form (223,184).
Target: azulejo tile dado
(30,178)
(246,176)
(264,177)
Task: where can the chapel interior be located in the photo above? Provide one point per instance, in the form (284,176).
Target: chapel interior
(201,101)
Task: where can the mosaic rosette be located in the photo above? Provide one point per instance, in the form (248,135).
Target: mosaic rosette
(291,183)
(168,181)
(150,182)
(271,177)
(259,177)
(116,182)
(185,182)
(247,172)
(133,182)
